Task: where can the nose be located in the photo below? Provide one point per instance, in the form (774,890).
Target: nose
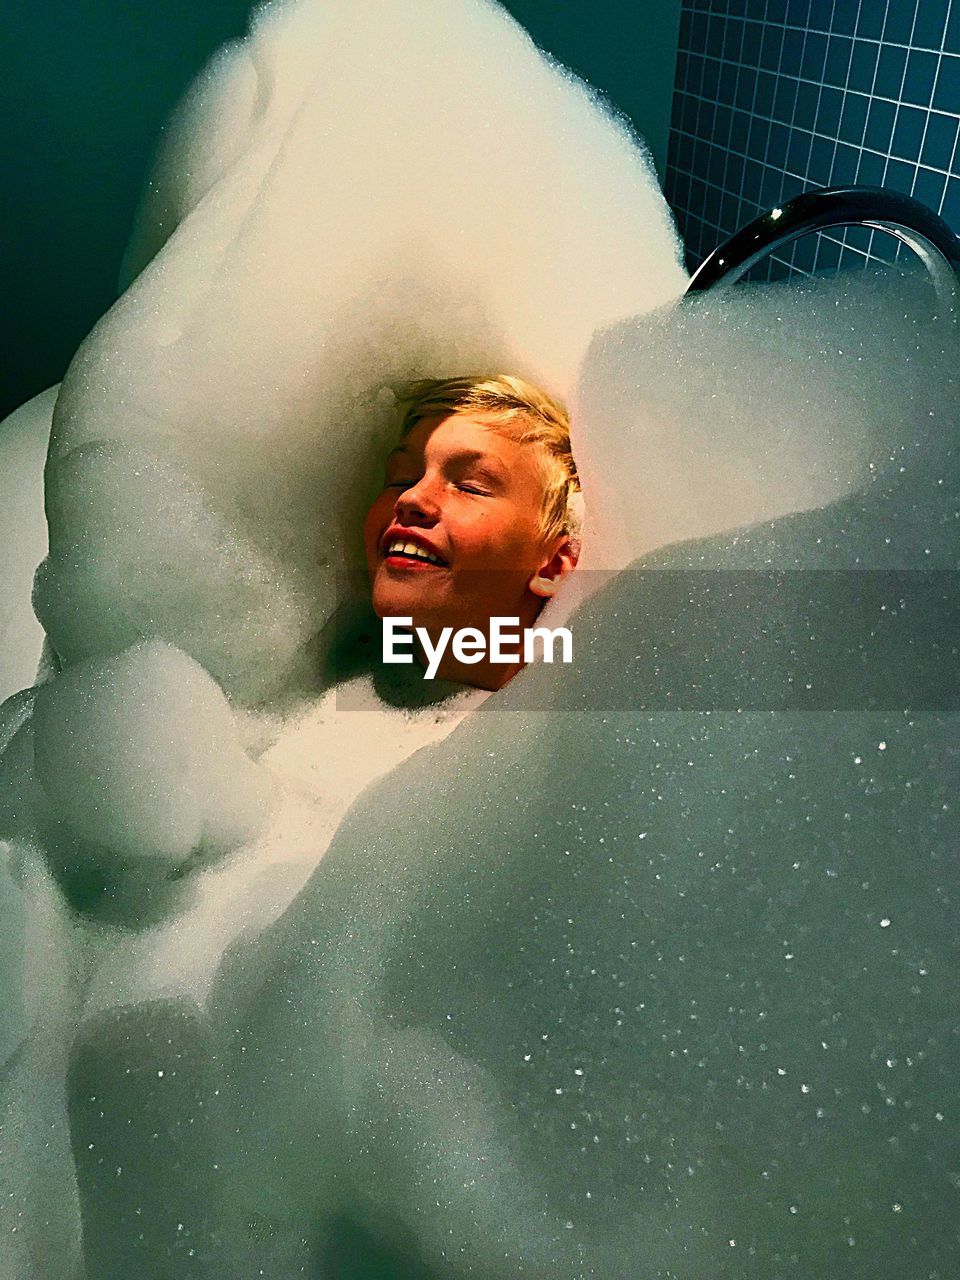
(417,502)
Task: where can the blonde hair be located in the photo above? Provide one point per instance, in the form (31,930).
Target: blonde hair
(521,412)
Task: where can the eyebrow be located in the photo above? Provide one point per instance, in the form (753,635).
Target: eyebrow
(488,465)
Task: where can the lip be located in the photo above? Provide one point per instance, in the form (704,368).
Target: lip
(408,535)
(409,566)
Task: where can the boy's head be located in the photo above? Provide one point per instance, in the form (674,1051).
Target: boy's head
(484,484)
(521,412)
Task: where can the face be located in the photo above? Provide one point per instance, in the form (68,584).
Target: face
(471,499)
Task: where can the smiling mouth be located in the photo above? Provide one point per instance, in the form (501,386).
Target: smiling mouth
(402,560)
(407,554)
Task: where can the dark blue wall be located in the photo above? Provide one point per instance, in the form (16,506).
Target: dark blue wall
(776,96)
(85,87)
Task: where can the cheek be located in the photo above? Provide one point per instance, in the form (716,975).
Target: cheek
(512,541)
(496,544)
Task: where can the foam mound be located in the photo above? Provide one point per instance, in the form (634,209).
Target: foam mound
(644,969)
(24,437)
(354,195)
(118,772)
(748,403)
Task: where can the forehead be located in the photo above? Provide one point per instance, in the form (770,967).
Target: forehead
(461,435)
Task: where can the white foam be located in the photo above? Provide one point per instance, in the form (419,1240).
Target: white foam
(530,1012)
(24,436)
(355,195)
(568,981)
(740,405)
(120,765)
(358,194)
(319,761)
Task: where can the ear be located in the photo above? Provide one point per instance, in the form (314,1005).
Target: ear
(551,573)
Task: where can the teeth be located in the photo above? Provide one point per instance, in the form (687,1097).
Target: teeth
(411,549)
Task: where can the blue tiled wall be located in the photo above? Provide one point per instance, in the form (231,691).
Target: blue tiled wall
(775,96)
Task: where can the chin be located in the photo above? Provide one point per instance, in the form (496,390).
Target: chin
(391,602)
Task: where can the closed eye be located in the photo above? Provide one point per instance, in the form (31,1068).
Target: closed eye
(408,484)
